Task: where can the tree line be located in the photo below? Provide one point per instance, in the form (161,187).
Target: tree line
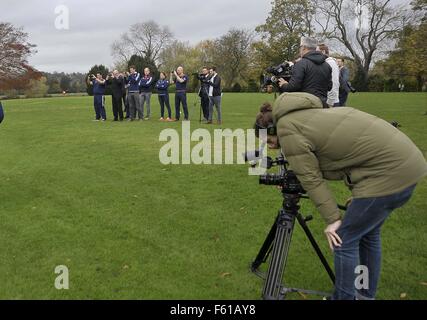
(383,43)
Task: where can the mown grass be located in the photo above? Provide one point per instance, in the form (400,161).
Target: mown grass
(95,197)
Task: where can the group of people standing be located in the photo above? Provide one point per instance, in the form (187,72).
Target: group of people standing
(210,94)
(317,73)
(134,91)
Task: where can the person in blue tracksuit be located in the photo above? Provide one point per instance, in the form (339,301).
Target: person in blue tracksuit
(162,88)
(99,85)
(145,86)
(132,82)
(181,93)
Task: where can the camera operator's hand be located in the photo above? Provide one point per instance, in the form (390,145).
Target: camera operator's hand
(332,236)
(282,82)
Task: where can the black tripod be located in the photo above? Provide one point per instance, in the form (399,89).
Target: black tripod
(279,238)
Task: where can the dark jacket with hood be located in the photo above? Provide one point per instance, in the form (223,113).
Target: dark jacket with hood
(312,74)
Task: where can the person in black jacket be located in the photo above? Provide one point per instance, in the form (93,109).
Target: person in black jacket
(117,83)
(204,78)
(312,74)
(344,81)
(215,95)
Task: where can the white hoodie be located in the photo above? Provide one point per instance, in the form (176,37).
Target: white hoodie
(333,95)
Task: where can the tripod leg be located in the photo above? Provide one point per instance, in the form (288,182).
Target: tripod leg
(266,247)
(282,241)
(316,247)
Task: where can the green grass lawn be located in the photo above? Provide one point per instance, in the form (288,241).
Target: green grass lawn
(95,197)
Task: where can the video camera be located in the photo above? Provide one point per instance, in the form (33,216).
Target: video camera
(285,178)
(282,71)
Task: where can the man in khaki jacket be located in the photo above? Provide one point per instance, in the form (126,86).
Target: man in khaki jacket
(379,163)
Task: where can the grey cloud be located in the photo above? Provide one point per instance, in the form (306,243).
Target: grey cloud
(95,24)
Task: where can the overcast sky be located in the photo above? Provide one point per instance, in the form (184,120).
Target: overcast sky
(95,24)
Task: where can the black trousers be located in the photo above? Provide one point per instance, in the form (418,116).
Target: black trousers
(126,104)
(181,97)
(117,107)
(164,101)
(205,106)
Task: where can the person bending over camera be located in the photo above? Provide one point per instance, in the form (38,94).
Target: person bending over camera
(379,164)
(312,74)
(99,85)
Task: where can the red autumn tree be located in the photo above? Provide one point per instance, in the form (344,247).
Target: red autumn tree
(15,72)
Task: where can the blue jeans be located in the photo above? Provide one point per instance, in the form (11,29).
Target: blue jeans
(361,235)
(343,96)
(215,101)
(145,98)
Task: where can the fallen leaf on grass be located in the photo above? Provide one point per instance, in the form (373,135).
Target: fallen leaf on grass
(304,296)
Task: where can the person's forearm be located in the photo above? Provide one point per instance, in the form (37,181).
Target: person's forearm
(292,86)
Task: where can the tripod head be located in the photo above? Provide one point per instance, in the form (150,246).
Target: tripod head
(284,178)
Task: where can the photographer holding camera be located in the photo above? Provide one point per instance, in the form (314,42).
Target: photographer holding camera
(312,74)
(204,78)
(99,86)
(117,83)
(380,165)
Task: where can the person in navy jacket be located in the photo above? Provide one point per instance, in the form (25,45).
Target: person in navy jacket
(162,88)
(145,86)
(132,82)
(181,93)
(99,85)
